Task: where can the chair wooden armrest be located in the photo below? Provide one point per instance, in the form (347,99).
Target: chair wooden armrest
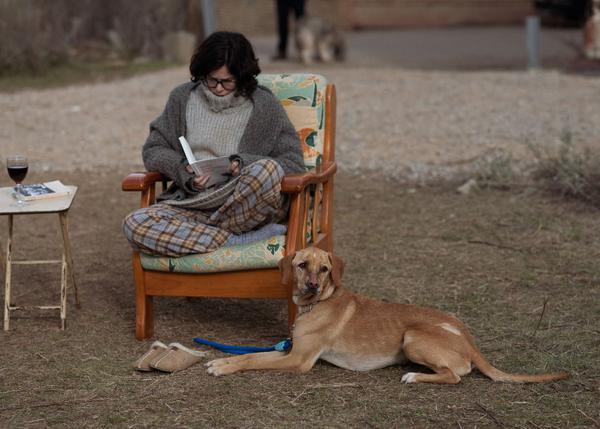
(141,181)
(294,183)
(144,183)
(291,184)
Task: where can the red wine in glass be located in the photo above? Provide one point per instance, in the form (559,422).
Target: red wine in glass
(17,167)
(17,173)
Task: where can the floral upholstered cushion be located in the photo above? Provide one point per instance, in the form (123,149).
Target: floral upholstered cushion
(260,254)
(302,97)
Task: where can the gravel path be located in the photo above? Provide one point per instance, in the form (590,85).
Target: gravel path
(408,124)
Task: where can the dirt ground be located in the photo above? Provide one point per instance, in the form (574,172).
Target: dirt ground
(518,267)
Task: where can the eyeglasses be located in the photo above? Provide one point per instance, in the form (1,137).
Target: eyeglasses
(227,84)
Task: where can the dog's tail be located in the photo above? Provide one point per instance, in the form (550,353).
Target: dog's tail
(495,374)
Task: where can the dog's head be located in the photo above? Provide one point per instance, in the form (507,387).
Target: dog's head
(316,274)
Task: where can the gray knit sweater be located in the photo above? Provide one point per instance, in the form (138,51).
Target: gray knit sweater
(215,125)
(268,134)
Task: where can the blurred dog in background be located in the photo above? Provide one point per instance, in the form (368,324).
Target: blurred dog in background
(318,39)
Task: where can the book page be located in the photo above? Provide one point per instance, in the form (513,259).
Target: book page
(187,150)
(216,168)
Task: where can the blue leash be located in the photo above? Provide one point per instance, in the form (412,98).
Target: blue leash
(281,346)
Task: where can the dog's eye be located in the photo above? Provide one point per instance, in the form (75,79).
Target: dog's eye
(302,265)
(324,269)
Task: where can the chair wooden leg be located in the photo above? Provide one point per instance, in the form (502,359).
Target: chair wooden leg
(144,314)
(144,319)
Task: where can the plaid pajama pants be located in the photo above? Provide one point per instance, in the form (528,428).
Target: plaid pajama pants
(167,230)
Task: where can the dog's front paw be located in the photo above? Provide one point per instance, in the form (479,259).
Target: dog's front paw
(220,367)
(215,370)
(409,377)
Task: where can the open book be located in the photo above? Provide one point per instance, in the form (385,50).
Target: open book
(216,168)
(39,191)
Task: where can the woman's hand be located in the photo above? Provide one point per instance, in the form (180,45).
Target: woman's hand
(198,182)
(234,168)
(201,181)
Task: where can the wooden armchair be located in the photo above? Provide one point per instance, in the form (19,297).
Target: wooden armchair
(250,271)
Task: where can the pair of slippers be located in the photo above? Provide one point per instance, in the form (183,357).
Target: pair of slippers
(171,358)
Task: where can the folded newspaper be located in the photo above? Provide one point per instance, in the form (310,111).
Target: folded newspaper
(216,168)
(39,191)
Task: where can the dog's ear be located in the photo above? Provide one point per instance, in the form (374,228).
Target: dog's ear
(337,269)
(285,267)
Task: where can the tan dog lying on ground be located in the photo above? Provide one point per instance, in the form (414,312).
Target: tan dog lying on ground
(358,333)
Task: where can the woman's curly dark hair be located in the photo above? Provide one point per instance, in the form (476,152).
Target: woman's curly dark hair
(233,50)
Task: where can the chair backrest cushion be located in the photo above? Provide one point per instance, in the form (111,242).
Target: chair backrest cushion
(302,95)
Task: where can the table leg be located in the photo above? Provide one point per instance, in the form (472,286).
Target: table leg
(66,270)
(64,227)
(7,274)
(63,292)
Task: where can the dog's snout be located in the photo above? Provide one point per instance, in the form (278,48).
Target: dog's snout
(312,285)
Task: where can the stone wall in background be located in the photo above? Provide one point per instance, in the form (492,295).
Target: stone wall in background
(434,13)
(257,17)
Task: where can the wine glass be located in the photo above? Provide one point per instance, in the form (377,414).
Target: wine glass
(17,167)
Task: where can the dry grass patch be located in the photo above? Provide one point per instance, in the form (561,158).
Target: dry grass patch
(569,171)
(493,258)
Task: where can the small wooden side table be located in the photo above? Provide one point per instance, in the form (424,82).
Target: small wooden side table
(60,205)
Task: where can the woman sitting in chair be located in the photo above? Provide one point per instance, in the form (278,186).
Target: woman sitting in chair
(221,112)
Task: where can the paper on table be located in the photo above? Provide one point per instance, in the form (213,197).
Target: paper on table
(38,191)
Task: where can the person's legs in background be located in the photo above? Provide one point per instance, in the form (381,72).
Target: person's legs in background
(282,29)
(298,7)
(283,9)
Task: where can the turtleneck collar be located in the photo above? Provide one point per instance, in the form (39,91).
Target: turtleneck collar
(217,103)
